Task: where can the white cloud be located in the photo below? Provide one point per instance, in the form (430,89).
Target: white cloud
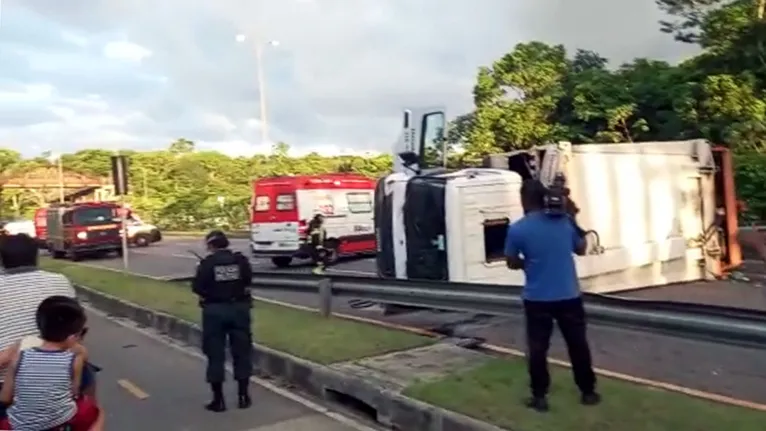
(126,51)
(142,73)
(74,38)
(28,93)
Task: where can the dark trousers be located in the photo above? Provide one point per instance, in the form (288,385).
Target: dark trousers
(320,256)
(221,322)
(570,317)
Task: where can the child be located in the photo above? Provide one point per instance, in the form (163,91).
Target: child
(42,382)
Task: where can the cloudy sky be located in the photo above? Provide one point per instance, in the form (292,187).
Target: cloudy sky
(140,73)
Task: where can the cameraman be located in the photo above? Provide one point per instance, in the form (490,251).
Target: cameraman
(542,245)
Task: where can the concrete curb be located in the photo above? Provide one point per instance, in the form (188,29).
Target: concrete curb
(392,409)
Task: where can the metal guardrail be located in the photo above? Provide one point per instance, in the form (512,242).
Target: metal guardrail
(725,325)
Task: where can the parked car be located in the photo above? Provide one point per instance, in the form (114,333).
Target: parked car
(142,234)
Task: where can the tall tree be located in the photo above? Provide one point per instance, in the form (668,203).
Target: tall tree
(182,146)
(515,99)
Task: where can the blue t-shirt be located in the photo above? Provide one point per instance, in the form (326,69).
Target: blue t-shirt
(547,245)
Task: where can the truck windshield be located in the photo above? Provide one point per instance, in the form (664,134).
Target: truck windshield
(94,216)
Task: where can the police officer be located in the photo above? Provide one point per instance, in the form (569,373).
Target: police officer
(222,283)
(317,239)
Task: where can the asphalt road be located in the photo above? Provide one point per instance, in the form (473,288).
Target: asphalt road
(733,371)
(148,384)
(172,258)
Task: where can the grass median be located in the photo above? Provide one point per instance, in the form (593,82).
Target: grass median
(493,392)
(301,333)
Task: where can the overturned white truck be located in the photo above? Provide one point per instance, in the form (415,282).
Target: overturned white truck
(664,212)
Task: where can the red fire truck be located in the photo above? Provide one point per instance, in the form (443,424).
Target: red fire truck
(41,226)
(75,230)
(283,206)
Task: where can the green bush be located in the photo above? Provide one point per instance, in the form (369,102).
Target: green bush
(750,177)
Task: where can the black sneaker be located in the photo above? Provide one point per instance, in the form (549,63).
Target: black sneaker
(590,399)
(539,404)
(244,401)
(217,406)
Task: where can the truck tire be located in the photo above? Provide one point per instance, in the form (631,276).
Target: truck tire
(142,240)
(57,254)
(75,256)
(281,261)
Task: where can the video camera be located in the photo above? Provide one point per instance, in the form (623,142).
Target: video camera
(556,199)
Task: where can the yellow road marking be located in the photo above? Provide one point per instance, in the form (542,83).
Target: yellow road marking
(133,389)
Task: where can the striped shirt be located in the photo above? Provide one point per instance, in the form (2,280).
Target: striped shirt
(21,292)
(42,395)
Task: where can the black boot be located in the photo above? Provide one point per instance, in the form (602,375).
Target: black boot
(539,404)
(590,399)
(219,403)
(243,392)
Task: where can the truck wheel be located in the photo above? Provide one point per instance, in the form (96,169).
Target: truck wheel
(58,254)
(281,261)
(74,256)
(119,252)
(142,240)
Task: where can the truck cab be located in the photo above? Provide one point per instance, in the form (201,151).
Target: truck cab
(77,230)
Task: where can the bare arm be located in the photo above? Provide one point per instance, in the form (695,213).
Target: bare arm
(6,392)
(99,424)
(7,354)
(579,243)
(77,368)
(581,247)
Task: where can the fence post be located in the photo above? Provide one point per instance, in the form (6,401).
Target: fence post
(325,297)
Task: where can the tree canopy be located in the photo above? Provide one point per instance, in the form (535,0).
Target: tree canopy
(179,188)
(534,94)
(540,93)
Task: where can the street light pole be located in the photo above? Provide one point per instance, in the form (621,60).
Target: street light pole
(262,94)
(60,166)
(259,45)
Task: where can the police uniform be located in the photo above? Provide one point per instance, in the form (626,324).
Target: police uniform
(317,239)
(222,283)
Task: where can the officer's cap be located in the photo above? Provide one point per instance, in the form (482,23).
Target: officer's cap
(217,239)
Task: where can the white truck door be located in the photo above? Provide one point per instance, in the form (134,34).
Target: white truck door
(422,143)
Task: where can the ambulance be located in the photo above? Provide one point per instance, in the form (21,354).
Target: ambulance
(283,206)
